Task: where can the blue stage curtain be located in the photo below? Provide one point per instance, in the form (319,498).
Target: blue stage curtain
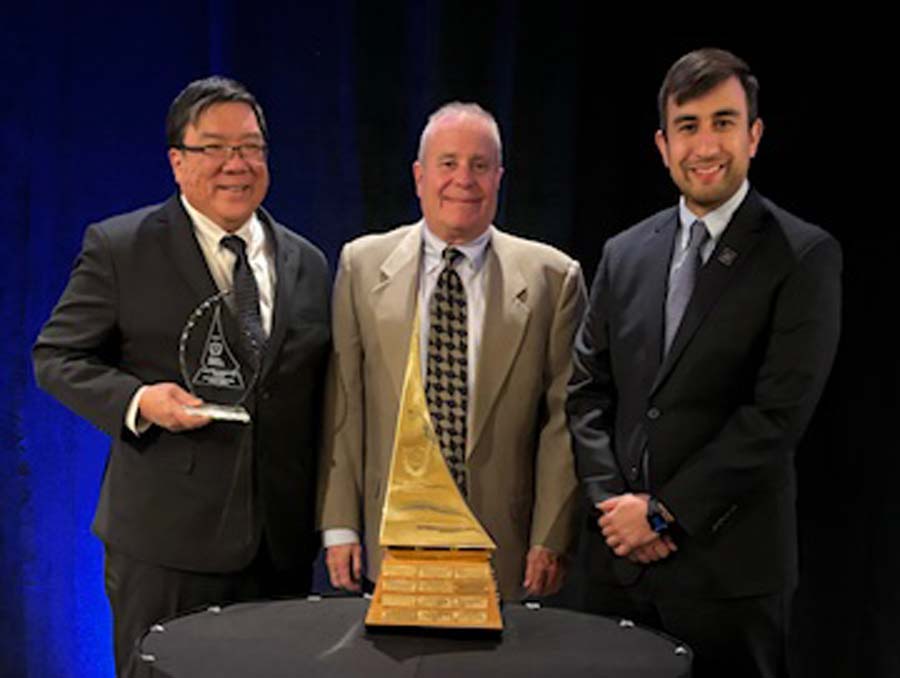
(83,138)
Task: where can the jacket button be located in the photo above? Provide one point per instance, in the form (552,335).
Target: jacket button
(266,395)
(653,413)
(634,472)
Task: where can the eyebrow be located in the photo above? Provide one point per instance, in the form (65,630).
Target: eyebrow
(213,135)
(456,156)
(722,113)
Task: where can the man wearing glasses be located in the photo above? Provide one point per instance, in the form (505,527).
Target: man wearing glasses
(195,510)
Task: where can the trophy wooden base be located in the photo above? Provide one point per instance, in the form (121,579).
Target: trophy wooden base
(436,589)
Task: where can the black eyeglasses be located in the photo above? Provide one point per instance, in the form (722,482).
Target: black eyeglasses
(249,152)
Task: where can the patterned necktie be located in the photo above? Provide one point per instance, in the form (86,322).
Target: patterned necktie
(682,278)
(446,379)
(246,299)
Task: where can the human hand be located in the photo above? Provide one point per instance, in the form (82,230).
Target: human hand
(163,404)
(624,523)
(545,571)
(658,549)
(344,563)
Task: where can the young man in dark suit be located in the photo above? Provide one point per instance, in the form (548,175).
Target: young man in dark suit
(195,510)
(710,334)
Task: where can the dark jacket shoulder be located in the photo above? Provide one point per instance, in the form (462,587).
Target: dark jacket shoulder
(799,234)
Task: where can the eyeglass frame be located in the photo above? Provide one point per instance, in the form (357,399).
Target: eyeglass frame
(228,149)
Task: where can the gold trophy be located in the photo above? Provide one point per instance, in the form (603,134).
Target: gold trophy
(436,571)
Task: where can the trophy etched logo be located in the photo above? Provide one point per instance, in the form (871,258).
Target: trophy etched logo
(216,365)
(436,571)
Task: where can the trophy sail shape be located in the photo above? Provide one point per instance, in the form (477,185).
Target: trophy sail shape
(436,571)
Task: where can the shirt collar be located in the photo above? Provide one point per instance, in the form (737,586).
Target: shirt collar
(251,231)
(474,251)
(717,219)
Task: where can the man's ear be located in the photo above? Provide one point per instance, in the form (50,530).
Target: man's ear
(756,132)
(176,160)
(418,171)
(662,145)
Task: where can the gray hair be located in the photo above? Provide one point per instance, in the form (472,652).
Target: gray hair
(461,109)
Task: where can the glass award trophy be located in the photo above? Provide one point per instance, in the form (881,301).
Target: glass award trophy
(215,365)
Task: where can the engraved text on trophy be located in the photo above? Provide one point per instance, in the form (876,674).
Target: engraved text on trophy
(218,366)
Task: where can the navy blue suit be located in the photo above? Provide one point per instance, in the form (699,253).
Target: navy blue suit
(711,428)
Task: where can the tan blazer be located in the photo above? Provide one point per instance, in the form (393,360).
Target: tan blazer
(522,482)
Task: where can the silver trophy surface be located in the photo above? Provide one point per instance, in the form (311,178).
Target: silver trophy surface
(215,365)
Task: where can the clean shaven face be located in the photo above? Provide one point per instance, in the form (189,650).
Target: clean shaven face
(228,191)
(708,143)
(458,178)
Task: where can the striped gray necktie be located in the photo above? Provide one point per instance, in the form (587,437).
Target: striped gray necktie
(446,379)
(682,277)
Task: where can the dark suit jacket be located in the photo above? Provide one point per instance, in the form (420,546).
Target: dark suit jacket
(711,429)
(197,500)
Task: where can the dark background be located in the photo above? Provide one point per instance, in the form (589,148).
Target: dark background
(347,87)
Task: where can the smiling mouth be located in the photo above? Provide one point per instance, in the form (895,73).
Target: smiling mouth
(707,171)
(707,174)
(235,190)
(463,201)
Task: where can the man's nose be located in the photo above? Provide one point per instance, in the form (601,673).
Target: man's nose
(464,176)
(707,142)
(235,161)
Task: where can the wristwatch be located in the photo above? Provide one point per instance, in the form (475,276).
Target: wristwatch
(658,516)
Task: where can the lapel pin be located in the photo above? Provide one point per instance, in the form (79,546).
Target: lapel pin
(727,256)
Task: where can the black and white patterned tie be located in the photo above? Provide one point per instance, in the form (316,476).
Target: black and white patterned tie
(446,380)
(246,299)
(682,278)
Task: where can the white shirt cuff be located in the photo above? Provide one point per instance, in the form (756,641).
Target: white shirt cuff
(338,536)
(134,422)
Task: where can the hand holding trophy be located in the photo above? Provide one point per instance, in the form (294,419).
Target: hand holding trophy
(219,359)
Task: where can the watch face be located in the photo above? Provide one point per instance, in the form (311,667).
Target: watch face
(657,523)
(655,518)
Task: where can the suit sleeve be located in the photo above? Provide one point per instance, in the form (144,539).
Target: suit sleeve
(555,484)
(341,467)
(591,404)
(75,355)
(749,455)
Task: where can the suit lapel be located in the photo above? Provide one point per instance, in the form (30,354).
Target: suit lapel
(727,260)
(505,320)
(656,253)
(287,265)
(185,251)
(394,304)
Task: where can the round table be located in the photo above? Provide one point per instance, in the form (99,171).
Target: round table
(327,637)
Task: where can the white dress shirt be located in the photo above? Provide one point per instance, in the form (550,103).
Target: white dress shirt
(716,221)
